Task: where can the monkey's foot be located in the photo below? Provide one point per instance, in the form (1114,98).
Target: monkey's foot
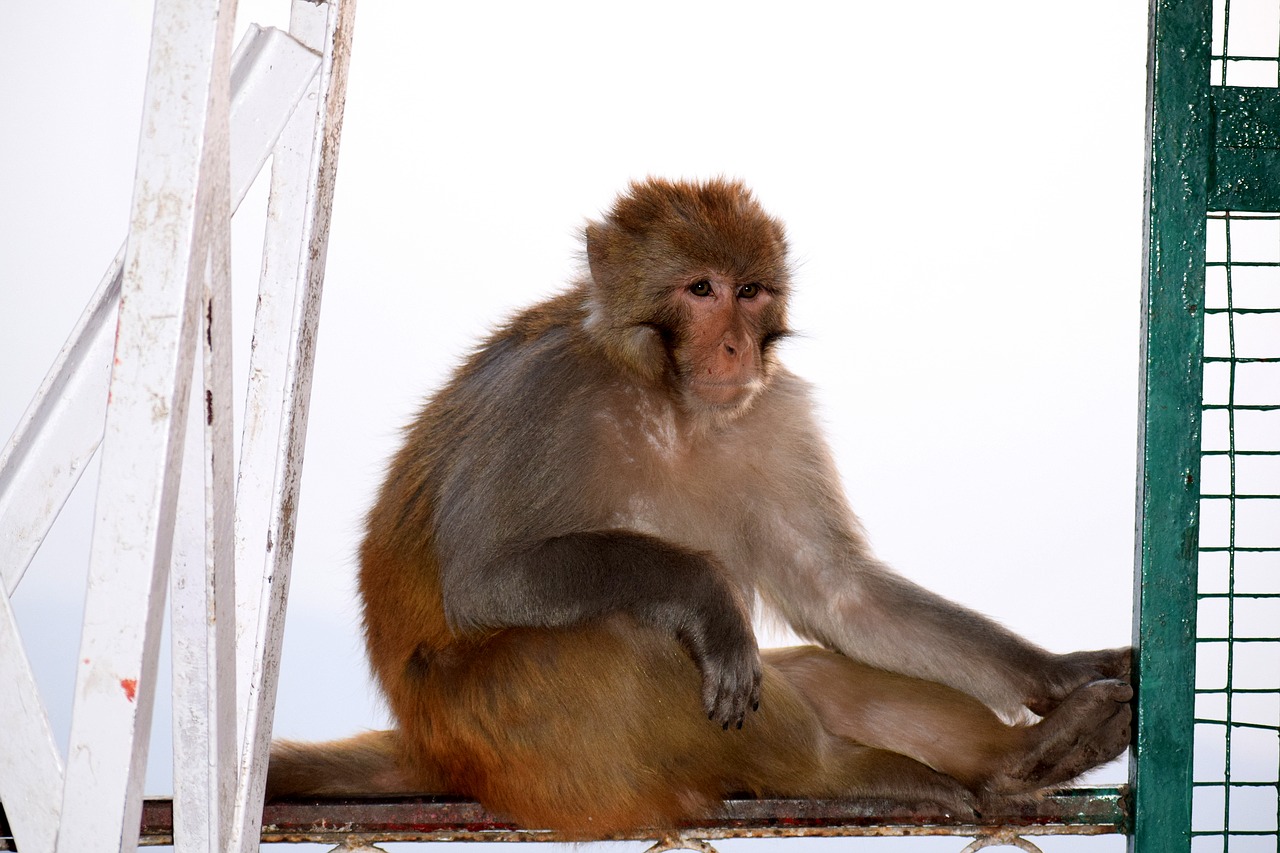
(861,771)
(959,804)
(1090,727)
(942,794)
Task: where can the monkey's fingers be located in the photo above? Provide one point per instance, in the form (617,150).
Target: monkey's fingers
(719,638)
(732,688)
(1072,670)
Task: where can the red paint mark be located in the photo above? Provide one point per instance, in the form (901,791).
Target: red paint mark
(130,686)
(84,660)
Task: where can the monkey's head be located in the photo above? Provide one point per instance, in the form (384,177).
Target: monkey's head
(689,286)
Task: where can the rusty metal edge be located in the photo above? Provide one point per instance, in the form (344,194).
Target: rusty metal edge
(1077,811)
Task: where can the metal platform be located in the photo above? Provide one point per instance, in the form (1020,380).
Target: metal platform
(1081,811)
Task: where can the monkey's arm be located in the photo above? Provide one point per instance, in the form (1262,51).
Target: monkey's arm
(569,579)
(818,571)
(879,617)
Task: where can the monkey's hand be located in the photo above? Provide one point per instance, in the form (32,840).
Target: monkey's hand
(720,641)
(1069,671)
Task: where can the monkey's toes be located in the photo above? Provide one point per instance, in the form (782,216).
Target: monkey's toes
(1112,738)
(1098,747)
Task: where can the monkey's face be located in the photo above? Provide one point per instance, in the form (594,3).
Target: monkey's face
(689,287)
(719,351)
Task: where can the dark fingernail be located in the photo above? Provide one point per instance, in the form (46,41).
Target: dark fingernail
(755,706)
(739,722)
(725,727)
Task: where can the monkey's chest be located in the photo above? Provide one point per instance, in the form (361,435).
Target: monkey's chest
(686,502)
(661,477)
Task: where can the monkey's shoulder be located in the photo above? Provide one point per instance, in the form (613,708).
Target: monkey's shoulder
(540,361)
(559,314)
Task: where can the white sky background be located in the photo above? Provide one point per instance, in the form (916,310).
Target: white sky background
(962,184)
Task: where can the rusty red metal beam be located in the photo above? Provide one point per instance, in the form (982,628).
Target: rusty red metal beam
(1082,811)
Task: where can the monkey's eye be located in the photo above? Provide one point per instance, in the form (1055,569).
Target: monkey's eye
(702,287)
(749,291)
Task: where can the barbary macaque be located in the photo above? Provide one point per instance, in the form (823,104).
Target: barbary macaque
(559,572)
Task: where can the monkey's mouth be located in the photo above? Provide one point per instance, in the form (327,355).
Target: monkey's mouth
(720,393)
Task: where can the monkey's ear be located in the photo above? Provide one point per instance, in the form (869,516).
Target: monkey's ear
(598,260)
(633,342)
(642,349)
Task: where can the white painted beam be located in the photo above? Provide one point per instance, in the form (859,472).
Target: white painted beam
(62,428)
(271,449)
(180,199)
(30,767)
(58,433)
(202,609)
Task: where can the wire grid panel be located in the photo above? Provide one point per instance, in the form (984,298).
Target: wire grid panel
(1246,43)
(1236,796)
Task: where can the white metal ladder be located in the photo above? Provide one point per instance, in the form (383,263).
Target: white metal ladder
(170,506)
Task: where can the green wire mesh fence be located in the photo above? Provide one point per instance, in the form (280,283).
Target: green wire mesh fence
(1236,777)
(1236,798)
(1246,43)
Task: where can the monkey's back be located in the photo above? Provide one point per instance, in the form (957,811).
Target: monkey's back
(447,449)
(471,474)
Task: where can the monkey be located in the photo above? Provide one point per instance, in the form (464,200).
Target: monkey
(559,571)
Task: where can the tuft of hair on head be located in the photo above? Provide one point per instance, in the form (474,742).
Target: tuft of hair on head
(659,232)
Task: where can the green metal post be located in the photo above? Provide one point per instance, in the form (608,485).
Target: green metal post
(1178,136)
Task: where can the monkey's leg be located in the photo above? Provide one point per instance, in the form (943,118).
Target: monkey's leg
(848,769)
(788,750)
(600,729)
(936,725)
(954,733)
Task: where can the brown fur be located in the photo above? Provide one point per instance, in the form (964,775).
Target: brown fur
(558,571)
